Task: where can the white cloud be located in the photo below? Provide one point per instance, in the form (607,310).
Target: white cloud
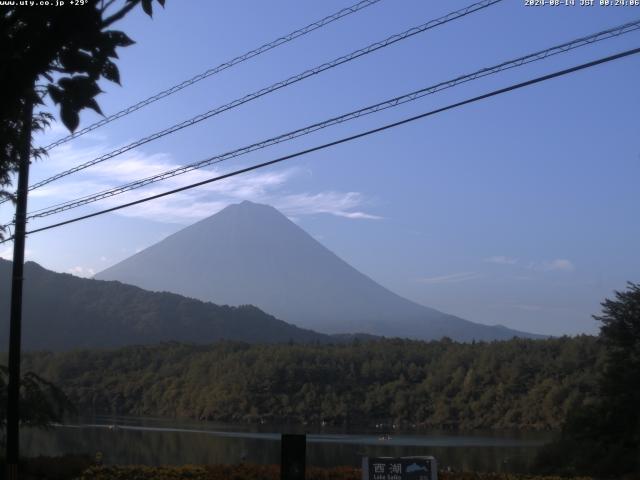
(558,264)
(530,308)
(501,260)
(7,253)
(452,278)
(265,186)
(81,271)
(335,203)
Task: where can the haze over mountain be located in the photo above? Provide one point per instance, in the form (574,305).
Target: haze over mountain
(252,254)
(61,312)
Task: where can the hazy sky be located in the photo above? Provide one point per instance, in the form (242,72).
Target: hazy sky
(520,210)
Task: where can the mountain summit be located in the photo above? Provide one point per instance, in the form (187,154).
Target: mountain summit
(250,253)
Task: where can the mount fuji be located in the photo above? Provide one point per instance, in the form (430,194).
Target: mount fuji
(250,253)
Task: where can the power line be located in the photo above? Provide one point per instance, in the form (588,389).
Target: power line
(223,66)
(276,86)
(348,139)
(539,55)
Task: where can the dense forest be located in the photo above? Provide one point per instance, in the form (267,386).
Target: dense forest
(512,384)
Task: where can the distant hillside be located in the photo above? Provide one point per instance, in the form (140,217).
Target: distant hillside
(512,384)
(63,312)
(252,254)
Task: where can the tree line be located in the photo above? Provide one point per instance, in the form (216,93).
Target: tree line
(528,384)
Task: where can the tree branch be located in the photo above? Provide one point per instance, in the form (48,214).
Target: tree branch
(104,6)
(120,13)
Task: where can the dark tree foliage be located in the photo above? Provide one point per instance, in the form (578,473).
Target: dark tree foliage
(603,437)
(620,333)
(41,402)
(60,52)
(529,384)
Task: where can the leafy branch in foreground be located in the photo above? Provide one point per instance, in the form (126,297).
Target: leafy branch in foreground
(57,53)
(41,402)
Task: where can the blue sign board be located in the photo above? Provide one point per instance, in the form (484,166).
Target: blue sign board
(399,468)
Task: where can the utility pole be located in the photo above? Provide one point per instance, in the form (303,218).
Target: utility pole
(15,325)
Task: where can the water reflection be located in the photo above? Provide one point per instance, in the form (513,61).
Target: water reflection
(162,442)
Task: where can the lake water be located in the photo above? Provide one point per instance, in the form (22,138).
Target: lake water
(168,442)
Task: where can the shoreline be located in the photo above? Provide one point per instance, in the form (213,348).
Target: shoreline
(401,439)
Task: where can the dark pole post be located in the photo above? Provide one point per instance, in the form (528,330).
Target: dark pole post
(15,325)
(293,456)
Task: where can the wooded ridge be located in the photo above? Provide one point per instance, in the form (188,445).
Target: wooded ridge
(527,384)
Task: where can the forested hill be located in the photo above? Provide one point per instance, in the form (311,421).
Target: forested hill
(517,383)
(63,312)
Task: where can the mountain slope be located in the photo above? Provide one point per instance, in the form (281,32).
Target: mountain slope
(62,311)
(252,254)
